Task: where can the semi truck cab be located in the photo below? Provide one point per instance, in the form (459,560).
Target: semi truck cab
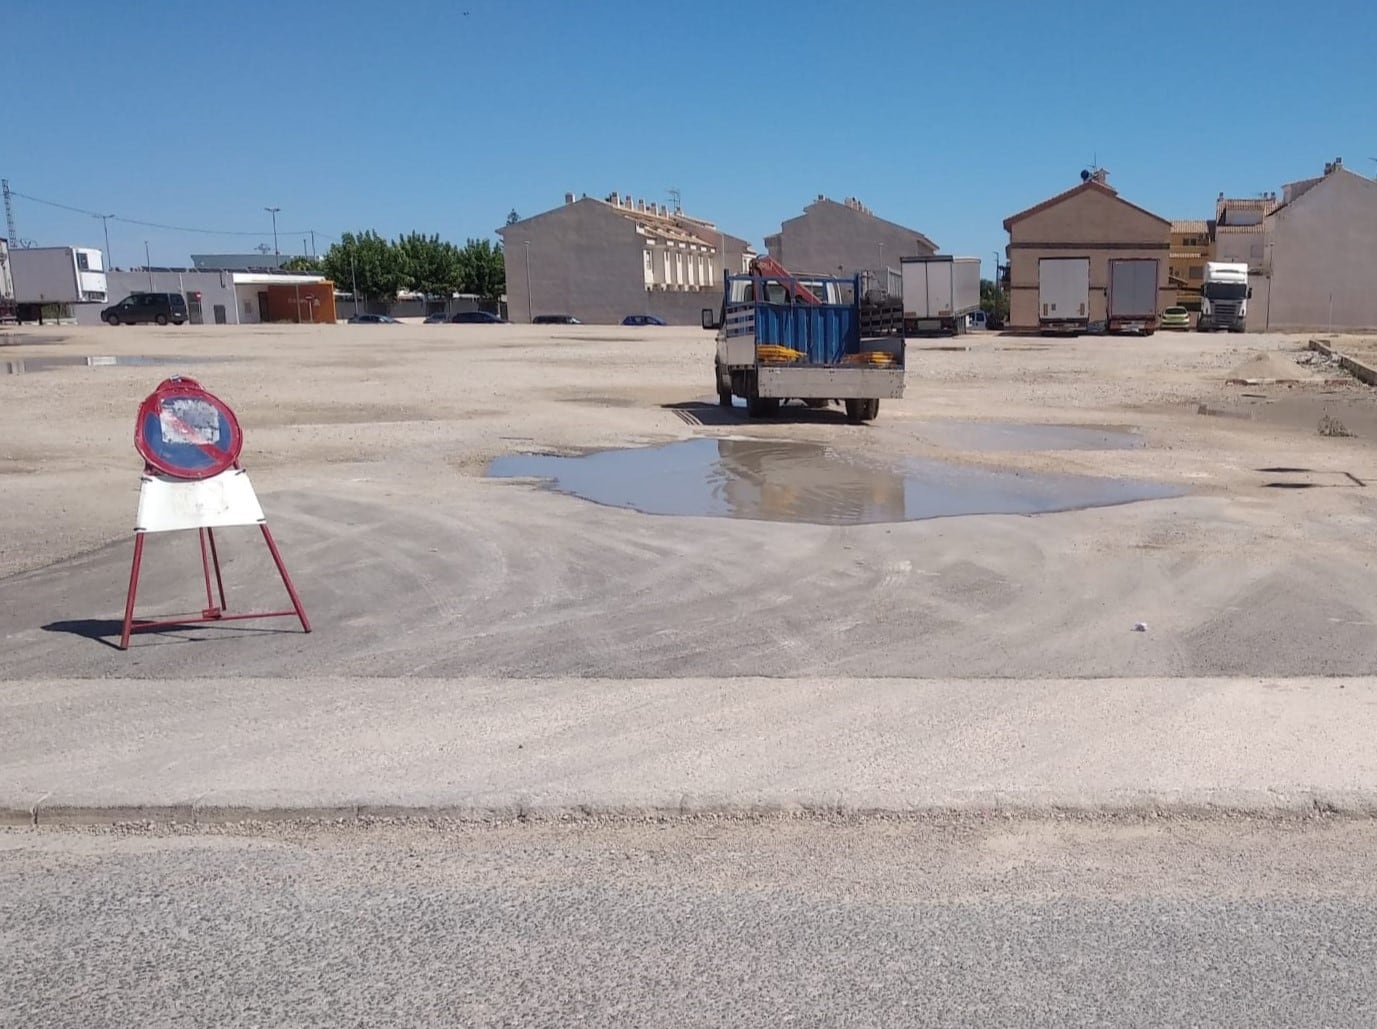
(1224,297)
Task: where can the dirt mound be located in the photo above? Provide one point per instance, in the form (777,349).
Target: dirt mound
(1269,364)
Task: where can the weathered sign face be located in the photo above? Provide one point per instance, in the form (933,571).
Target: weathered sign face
(185,432)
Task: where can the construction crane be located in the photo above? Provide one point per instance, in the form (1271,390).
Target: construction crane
(9,214)
(767,267)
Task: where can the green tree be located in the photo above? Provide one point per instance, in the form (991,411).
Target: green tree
(433,267)
(484,271)
(301,264)
(513,217)
(365,258)
(994,301)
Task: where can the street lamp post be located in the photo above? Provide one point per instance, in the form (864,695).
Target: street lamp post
(530,309)
(273,211)
(1267,315)
(353,279)
(148,265)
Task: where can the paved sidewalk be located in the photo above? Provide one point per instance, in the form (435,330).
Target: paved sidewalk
(216,749)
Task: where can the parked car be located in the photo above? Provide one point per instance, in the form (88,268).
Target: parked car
(436,319)
(555,319)
(141,308)
(477,318)
(643,319)
(372,319)
(1176,318)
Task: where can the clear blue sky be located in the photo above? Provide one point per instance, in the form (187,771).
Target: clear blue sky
(943,116)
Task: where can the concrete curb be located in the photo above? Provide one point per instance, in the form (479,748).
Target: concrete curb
(1360,371)
(1264,803)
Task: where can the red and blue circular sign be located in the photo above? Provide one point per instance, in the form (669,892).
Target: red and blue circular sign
(186,432)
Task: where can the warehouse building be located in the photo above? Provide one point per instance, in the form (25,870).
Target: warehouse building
(601,260)
(1089,221)
(846,238)
(226,297)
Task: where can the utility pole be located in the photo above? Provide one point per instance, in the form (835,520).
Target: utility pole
(148,265)
(530,310)
(273,211)
(105,224)
(313,242)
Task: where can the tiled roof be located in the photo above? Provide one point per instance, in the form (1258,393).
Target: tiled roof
(1191,225)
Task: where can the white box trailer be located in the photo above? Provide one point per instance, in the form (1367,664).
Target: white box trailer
(1132,305)
(7,306)
(58,275)
(939,291)
(1063,294)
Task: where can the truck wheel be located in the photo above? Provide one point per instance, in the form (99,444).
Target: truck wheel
(858,411)
(724,397)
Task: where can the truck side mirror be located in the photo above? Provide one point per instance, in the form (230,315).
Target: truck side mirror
(1250,292)
(709,318)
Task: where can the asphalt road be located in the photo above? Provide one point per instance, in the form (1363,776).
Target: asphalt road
(700,922)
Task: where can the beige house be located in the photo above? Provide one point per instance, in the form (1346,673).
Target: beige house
(1192,246)
(846,238)
(1319,246)
(1090,221)
(601,260)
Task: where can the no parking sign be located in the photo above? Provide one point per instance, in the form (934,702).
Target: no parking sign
(190,441)
(186,432)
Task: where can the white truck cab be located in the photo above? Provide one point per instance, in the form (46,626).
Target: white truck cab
(1224,297)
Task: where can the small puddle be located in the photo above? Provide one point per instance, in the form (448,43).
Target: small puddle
(997,436)
(787,481)
(27,365)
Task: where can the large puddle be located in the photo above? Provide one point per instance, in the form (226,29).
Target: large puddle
(1010,436)
(24,365)
(790,481)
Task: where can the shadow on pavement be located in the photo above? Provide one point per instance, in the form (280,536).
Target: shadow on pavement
(106,631)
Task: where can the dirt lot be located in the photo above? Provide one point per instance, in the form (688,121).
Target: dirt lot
(369,445)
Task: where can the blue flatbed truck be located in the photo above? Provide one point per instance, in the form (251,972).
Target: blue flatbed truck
(809,338)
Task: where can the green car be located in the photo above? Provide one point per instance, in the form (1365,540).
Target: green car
(1176,318)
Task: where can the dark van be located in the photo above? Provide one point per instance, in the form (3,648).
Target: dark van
(136,308)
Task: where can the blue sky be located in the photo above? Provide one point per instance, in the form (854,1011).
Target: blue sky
(943,116)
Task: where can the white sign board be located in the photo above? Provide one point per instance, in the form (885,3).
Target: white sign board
(166,504)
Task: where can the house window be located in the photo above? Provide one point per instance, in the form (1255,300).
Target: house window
(666,266)
(1197,272)
(679,269)
(692,270)
(82,262)
(649,267)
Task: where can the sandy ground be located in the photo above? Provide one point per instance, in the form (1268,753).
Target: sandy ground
(368,446)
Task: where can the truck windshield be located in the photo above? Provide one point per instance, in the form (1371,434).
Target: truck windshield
(1226,290)
(775,290)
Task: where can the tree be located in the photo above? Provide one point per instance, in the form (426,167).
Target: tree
(301,264)
(994,302)
(433,267)
(513,217)
(484,270)
(378,267)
